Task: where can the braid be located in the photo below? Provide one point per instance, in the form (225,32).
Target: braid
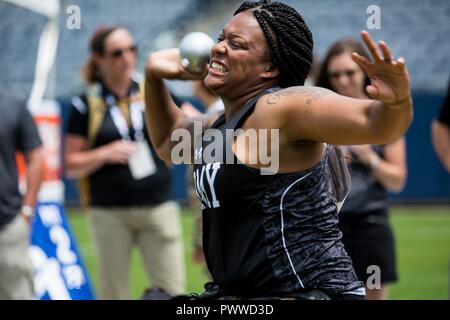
(289,38)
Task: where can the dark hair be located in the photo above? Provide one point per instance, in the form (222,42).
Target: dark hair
(348,45)
(289,38)
(90,71)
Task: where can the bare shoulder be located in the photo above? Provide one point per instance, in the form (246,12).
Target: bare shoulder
(299,95)
(289,104)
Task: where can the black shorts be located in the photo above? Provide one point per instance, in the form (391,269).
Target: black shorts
(368,239)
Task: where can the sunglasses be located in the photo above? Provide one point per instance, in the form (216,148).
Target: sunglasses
(338,74)
(121,52)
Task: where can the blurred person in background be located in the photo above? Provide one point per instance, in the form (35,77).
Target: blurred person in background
(124,185)
(313,74)
(18,132)
(441,133)
(374,170)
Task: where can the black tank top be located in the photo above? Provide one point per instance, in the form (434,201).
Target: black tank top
(271,234)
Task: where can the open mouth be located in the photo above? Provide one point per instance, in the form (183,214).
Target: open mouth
(218,67)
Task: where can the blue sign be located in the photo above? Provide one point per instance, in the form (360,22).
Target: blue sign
(59,270)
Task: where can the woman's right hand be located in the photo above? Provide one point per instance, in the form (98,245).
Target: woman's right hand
(166,64)
(118,152)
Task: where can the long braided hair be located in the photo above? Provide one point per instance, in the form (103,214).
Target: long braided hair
(289,38)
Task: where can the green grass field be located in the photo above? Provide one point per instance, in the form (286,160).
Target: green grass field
(423,253)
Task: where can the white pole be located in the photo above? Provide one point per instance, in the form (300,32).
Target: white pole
(46,55)
(48,44)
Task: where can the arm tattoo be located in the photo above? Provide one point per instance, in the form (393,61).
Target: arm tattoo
(311,93)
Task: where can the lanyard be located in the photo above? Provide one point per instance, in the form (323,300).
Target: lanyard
(118,118)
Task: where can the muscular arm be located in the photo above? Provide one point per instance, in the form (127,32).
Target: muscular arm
(441,143)
(35,170)
(320,115)
(161,113)
(317,114)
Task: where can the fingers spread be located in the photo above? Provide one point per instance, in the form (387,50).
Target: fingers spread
(362,61)
(386,51)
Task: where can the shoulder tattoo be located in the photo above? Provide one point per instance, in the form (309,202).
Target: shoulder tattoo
(310,93)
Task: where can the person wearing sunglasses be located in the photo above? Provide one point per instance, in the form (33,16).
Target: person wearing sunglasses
(124,186)
(121,52)
(374,170)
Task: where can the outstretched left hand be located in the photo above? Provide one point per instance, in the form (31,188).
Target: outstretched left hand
(389,78)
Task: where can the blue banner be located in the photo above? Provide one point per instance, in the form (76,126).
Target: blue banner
(59,270)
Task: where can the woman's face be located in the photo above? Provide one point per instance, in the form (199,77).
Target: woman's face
(119,58)
(345,76)
(239,58)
